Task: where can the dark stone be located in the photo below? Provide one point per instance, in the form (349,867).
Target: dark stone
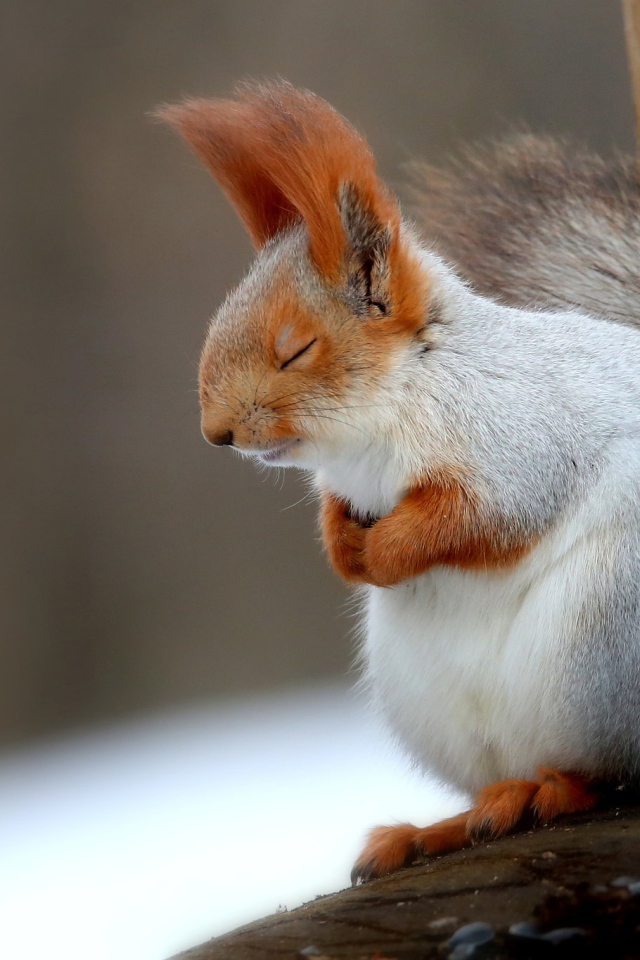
(472,934)
(624,881)
(564,935)
(525,931)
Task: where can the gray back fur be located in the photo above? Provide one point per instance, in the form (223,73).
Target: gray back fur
(530,221)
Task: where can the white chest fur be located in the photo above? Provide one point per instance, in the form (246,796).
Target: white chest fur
(471,668)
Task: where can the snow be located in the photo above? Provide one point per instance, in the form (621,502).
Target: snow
(138,841)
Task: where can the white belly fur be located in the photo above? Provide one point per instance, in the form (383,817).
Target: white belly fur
(470,668)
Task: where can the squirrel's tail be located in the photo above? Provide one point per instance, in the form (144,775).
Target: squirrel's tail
(532,221)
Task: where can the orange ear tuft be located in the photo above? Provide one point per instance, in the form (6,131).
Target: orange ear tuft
(281,155)
(221,134)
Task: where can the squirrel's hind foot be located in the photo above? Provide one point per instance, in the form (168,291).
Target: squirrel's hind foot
(499,809)
(389,848)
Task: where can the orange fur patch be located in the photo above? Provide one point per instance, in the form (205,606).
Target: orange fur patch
(390,848)
(410,288)
(289,324)
(562,793)
(446,836)
(219,133)
(499,808)
(282,154)
(387,849)
(343,538)
(438,522)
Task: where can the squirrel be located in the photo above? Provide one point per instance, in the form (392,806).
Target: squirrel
(466,398)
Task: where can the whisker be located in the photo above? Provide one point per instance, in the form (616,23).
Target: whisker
(309,496)
(299,398)
(237,409)
(255,396)
(322,416)
(353,406)
(302,404)
(285,396)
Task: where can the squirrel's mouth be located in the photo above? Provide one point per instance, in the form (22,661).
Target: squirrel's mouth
(276,453)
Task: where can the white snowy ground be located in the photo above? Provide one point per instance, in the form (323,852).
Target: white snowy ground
(142,840)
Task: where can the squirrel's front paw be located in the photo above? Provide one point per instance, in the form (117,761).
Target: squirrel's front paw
(344,539)
(386,563)
(359,553)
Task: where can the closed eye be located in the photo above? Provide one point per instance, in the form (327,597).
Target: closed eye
(298,354)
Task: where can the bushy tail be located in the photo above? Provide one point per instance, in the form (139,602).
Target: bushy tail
(532,221)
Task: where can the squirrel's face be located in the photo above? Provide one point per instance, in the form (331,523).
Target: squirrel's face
(293,365)
(294,361)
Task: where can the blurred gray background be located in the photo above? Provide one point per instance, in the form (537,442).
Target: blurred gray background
(141,568)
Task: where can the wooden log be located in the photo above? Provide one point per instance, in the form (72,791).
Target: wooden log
(560,876)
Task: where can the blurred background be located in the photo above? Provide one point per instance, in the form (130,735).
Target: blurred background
(143,571)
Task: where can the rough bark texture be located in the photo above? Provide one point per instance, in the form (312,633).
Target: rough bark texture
(560,877)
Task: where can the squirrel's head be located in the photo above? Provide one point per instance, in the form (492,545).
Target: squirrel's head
(294,360)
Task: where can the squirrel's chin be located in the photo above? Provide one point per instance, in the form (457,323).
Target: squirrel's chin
(280,455)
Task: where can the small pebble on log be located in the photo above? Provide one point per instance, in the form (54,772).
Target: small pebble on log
(564,935)
(472,934)
(624,881)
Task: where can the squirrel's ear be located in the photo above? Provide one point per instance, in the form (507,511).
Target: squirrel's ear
(368,253)
(284,155)
(220,134)
(384,275)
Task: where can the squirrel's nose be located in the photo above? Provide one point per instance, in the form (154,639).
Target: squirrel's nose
(217,437)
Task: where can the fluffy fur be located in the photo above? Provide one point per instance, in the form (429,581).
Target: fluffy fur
(533,221)
(478,462)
